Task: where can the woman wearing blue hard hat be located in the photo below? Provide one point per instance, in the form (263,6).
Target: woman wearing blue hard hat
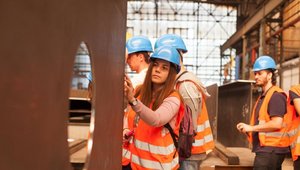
(266,132)
(154,104)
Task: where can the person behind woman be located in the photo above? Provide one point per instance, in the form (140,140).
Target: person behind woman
(156,103)
(138,53)
(194,94)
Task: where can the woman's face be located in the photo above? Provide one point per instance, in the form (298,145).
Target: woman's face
(160,71)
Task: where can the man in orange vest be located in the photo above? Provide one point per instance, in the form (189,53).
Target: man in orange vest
(294,94)
(194,94)
(267,130)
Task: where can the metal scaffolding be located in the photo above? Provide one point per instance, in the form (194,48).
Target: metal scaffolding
(82,65)
(271,29)
(203,27)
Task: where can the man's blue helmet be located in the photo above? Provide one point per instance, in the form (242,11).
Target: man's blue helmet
(264,63)
(171,40)
(89,76)
(167,53)
(138,43)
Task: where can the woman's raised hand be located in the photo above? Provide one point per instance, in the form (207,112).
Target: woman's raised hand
(128,88)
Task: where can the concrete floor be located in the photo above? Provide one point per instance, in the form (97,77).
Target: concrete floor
(212,162)
(246,158)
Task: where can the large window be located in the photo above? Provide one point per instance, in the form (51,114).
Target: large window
(203,27)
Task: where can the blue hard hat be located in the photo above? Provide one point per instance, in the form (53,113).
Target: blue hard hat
(172,40)
(167,53)
(264,63)
(89,76)
(138,43)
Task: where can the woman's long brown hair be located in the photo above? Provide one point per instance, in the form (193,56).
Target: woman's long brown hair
(145,91)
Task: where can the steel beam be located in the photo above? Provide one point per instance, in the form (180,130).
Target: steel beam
(261,13)
(216,2)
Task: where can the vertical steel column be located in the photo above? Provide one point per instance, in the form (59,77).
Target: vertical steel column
(281,50)
(222,55)
(197,49)
(156,16)
(230,66)
(244,57)
(262,37)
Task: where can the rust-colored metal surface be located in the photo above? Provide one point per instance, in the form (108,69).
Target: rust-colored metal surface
(212,107)
(235,105)
(39,40)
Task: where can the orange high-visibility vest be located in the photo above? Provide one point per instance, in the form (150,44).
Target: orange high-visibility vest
(278,138)
(126,153)
(153,147)
(295,129)
(204,138)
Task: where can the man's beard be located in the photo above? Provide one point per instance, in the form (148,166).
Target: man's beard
(261,82)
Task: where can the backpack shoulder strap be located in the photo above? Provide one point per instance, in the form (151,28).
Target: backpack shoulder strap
(197,86)
(174,136)
(181,75)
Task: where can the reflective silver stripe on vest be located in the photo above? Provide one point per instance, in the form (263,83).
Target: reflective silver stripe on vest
(270,134)
(153,148)
(154,164)
(297,141)
(202,142)
(202,127)
(274,134)
(126,153)
(293,132)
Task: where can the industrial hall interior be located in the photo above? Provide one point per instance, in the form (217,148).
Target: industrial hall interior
(150,84)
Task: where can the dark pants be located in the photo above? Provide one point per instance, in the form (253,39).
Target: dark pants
(126,167)
(297,163)
(268,161)
(190,165)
